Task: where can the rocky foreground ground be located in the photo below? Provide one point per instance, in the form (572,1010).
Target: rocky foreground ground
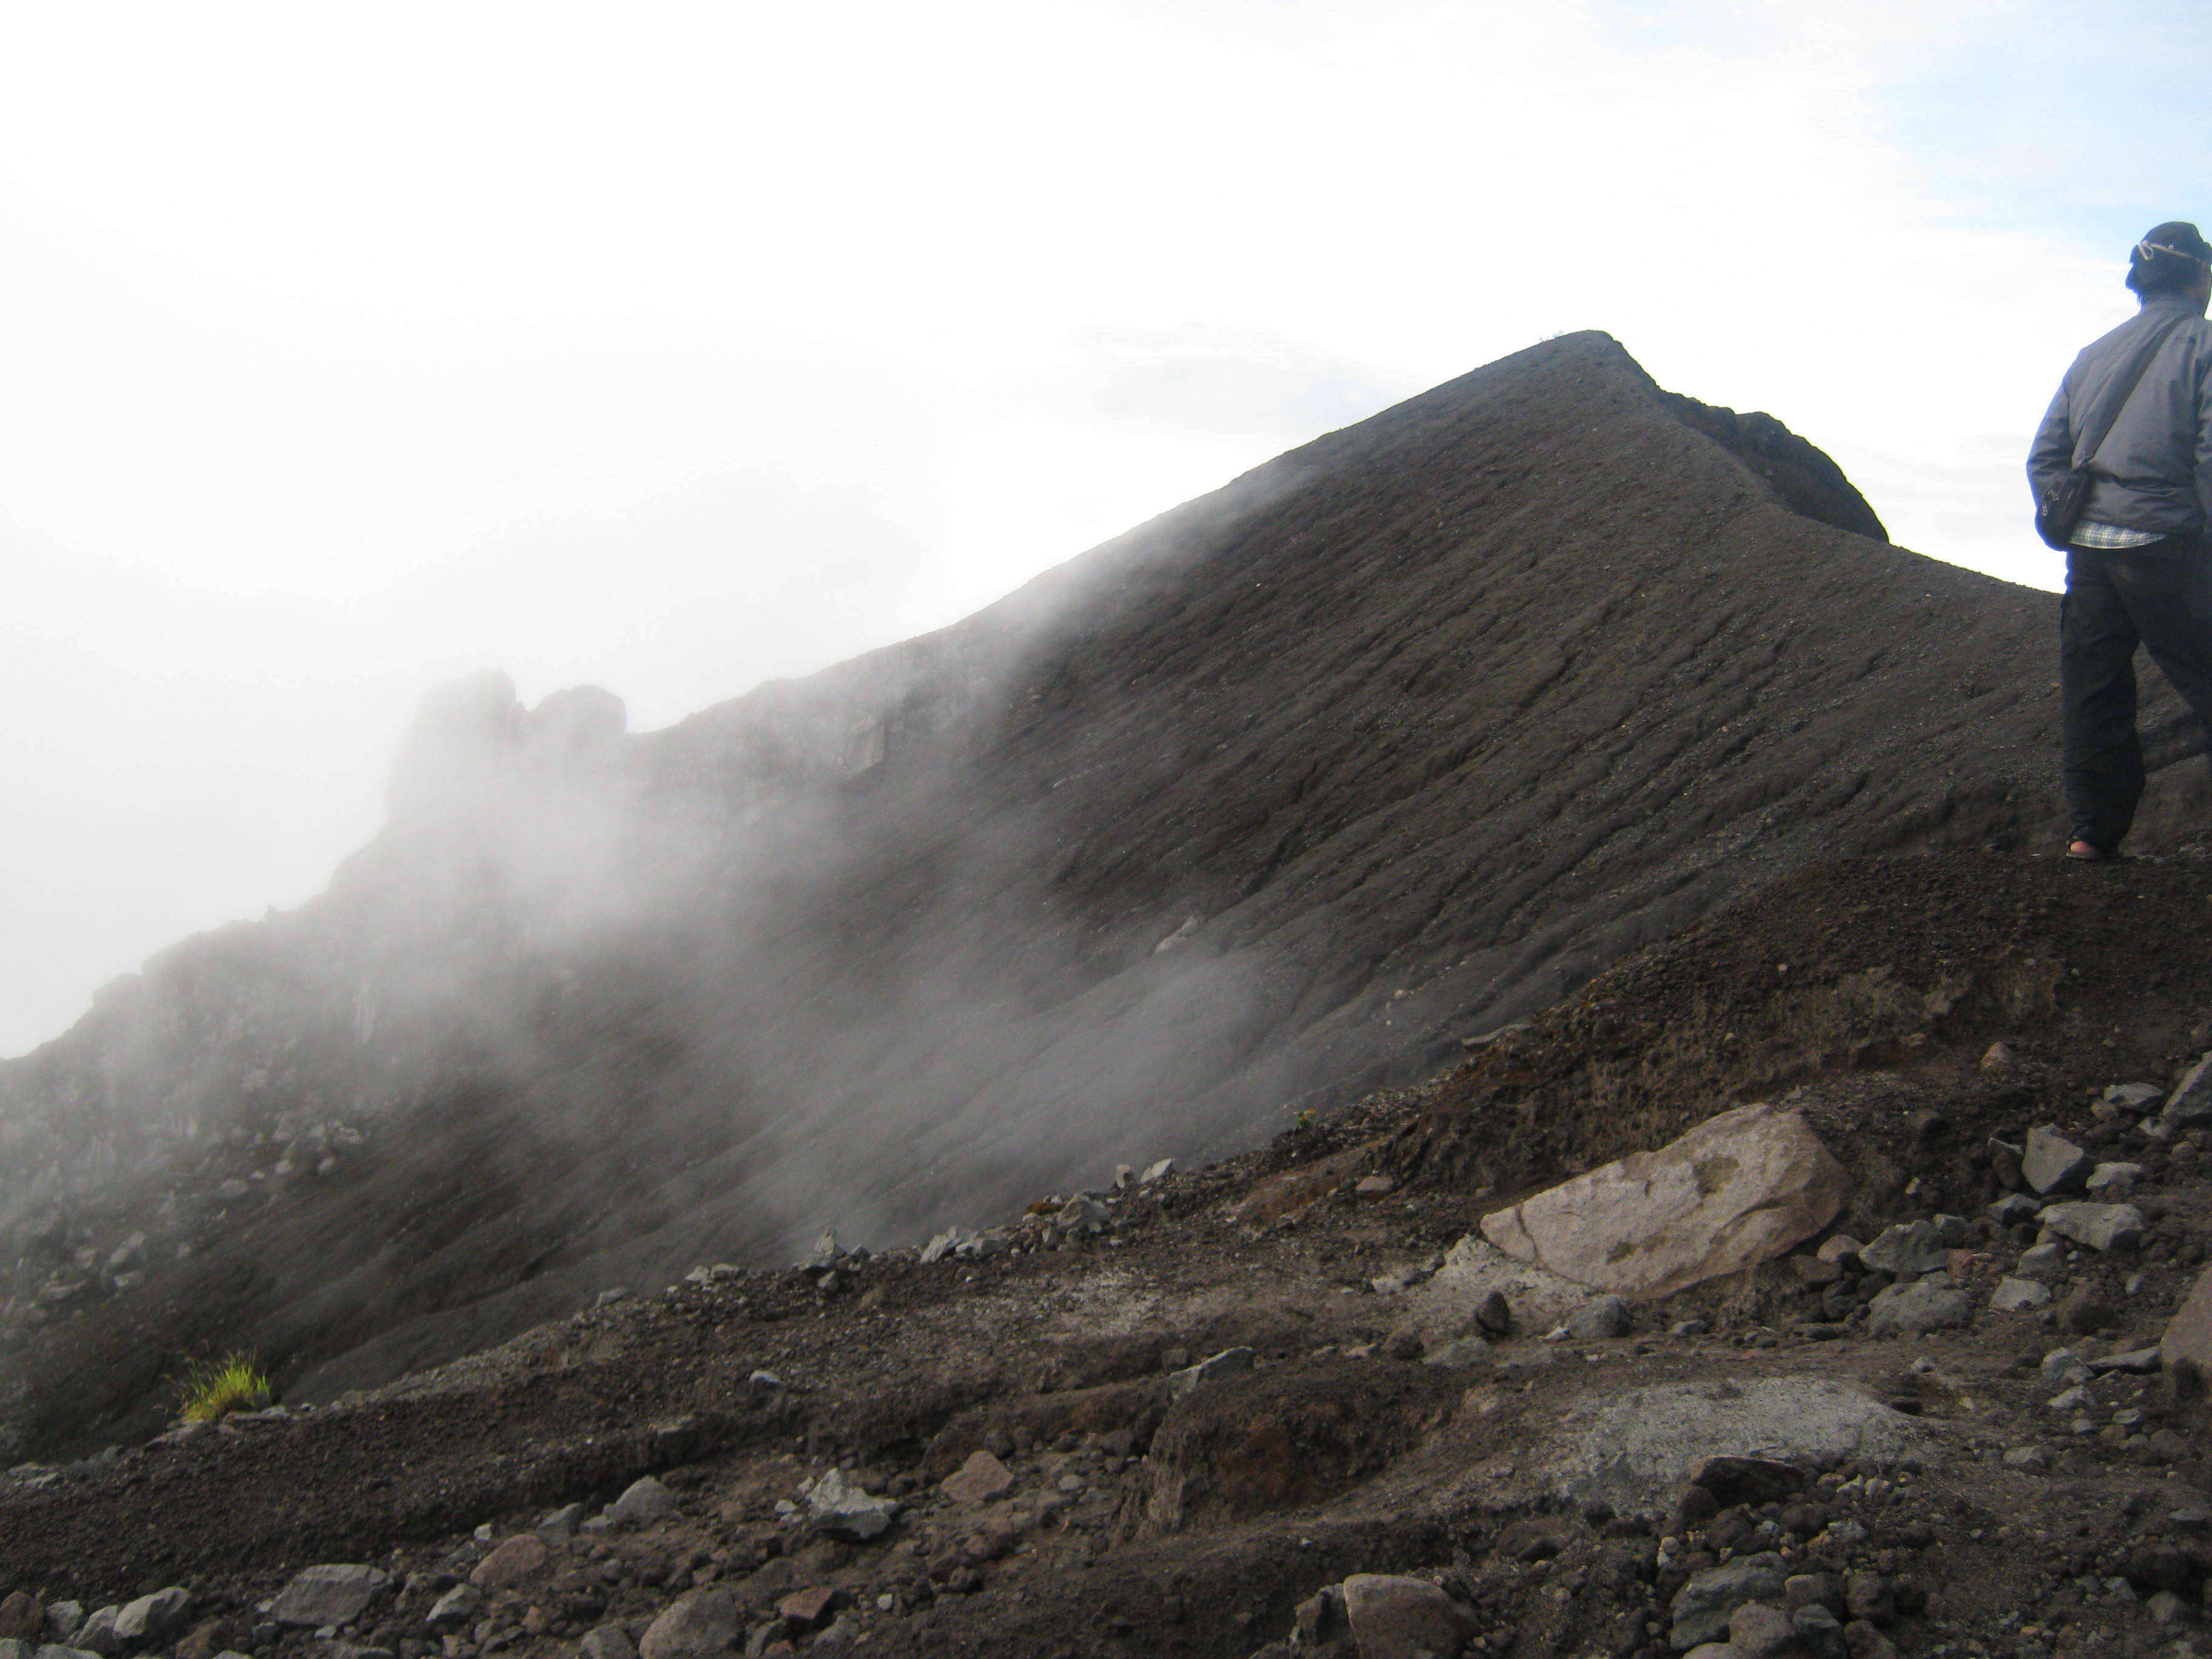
(1889,1346)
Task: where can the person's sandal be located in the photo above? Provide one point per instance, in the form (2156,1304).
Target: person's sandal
(2087,852)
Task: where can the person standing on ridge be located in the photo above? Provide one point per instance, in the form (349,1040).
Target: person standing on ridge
(2121,472)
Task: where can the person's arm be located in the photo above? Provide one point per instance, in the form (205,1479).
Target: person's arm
(2051,454)
(2203,472)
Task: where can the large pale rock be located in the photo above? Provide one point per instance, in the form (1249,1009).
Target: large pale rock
(333,1594)
(1634,1450)
(1738,1189)
(1395,1617)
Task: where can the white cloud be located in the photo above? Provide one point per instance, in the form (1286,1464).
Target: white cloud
(675,345)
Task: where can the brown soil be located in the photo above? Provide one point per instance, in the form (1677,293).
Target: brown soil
(1193,1525)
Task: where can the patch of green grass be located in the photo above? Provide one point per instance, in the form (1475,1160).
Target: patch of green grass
(216,1388)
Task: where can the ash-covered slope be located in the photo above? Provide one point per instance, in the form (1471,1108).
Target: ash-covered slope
(1267,802)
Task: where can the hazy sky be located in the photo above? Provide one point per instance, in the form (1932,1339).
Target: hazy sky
(670,348)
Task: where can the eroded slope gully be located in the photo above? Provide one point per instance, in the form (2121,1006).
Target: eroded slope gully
(1266,804)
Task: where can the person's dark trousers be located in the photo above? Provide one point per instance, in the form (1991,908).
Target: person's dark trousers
(2159,596)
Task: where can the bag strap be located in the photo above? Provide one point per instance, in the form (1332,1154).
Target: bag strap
(2094,433)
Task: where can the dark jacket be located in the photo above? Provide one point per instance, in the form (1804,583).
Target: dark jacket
(2154,470)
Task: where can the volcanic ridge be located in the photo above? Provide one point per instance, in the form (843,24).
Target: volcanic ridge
(1548,770)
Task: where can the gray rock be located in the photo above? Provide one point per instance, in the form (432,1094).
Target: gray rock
(1467,1352)
(153,1620)
(1396,1618)
(2051,1163)
(1867,1595)
(1951,1229)
(826,1251)
(1818,1634)
(2027,1458)
(642,1503)
(1494,1315)
(2019,1295)
(1803,1588)
(2185,1350)
(607,1642)
(943,1245)
(1932,1303)
(2100,1226)
(1081,1214)
(842,1507)
(982,1247)
(57,1650)
(2168,1608)
(1633,1449)
(1756,1630)
(2191,1099)
(1907,1251)
(2136,1098)
(1701,1607)
(63,1619)
(2114,1180)
(14,1648)
(2138,1361)
(327,1594)
(1839,1248)
(1606,1316)
(978,1480)
(455,1608)
(97,1634)
(1159,1171)
(2013,1209)
(700,1623)
(2043,1262)
(1225,1363)
(1862,1641)
(558,1527)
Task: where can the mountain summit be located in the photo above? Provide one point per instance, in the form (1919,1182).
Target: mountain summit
(1271,801)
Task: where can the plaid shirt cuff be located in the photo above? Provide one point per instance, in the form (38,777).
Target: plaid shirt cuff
(2111,535)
